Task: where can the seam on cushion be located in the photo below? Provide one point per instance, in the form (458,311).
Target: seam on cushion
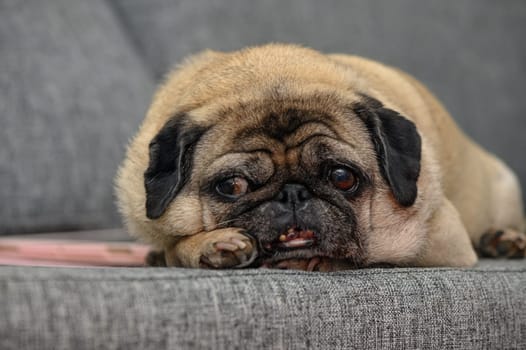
(242,276)
(127,32)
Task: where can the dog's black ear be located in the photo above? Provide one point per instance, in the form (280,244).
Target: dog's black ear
(171,162)
(398,147)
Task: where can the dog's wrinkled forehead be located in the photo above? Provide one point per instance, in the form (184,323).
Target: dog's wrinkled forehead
(280,125)
(286,132)
(289,128)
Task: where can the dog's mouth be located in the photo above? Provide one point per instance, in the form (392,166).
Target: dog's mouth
(293,238)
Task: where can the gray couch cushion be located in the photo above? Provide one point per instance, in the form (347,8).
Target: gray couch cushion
(471,53)
(72,93)
(64,308)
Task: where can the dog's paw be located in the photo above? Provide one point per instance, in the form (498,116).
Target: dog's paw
(503,244)
(227,248)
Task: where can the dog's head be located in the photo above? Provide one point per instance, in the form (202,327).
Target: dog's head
(308,166)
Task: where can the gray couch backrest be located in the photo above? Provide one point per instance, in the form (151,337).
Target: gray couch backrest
(76,78)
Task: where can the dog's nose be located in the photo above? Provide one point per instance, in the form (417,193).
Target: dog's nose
(293,196)
(292,217)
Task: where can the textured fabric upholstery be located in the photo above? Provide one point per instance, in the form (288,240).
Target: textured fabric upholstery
(72,92)
(479,308)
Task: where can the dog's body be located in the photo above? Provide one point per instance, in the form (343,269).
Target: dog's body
(278,116)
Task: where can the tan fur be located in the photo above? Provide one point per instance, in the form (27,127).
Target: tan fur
(191,250)
(462,190)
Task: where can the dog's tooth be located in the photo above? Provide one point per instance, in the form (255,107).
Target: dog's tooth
(282,238)
(296,243)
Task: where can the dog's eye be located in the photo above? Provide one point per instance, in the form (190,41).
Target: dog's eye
(343,178)
(233,187)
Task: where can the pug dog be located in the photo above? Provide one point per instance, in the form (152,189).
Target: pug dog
(281,156)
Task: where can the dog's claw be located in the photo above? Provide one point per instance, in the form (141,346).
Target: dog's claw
(239,243)
(226,246)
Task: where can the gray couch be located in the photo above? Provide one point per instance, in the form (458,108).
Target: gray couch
(75,80)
